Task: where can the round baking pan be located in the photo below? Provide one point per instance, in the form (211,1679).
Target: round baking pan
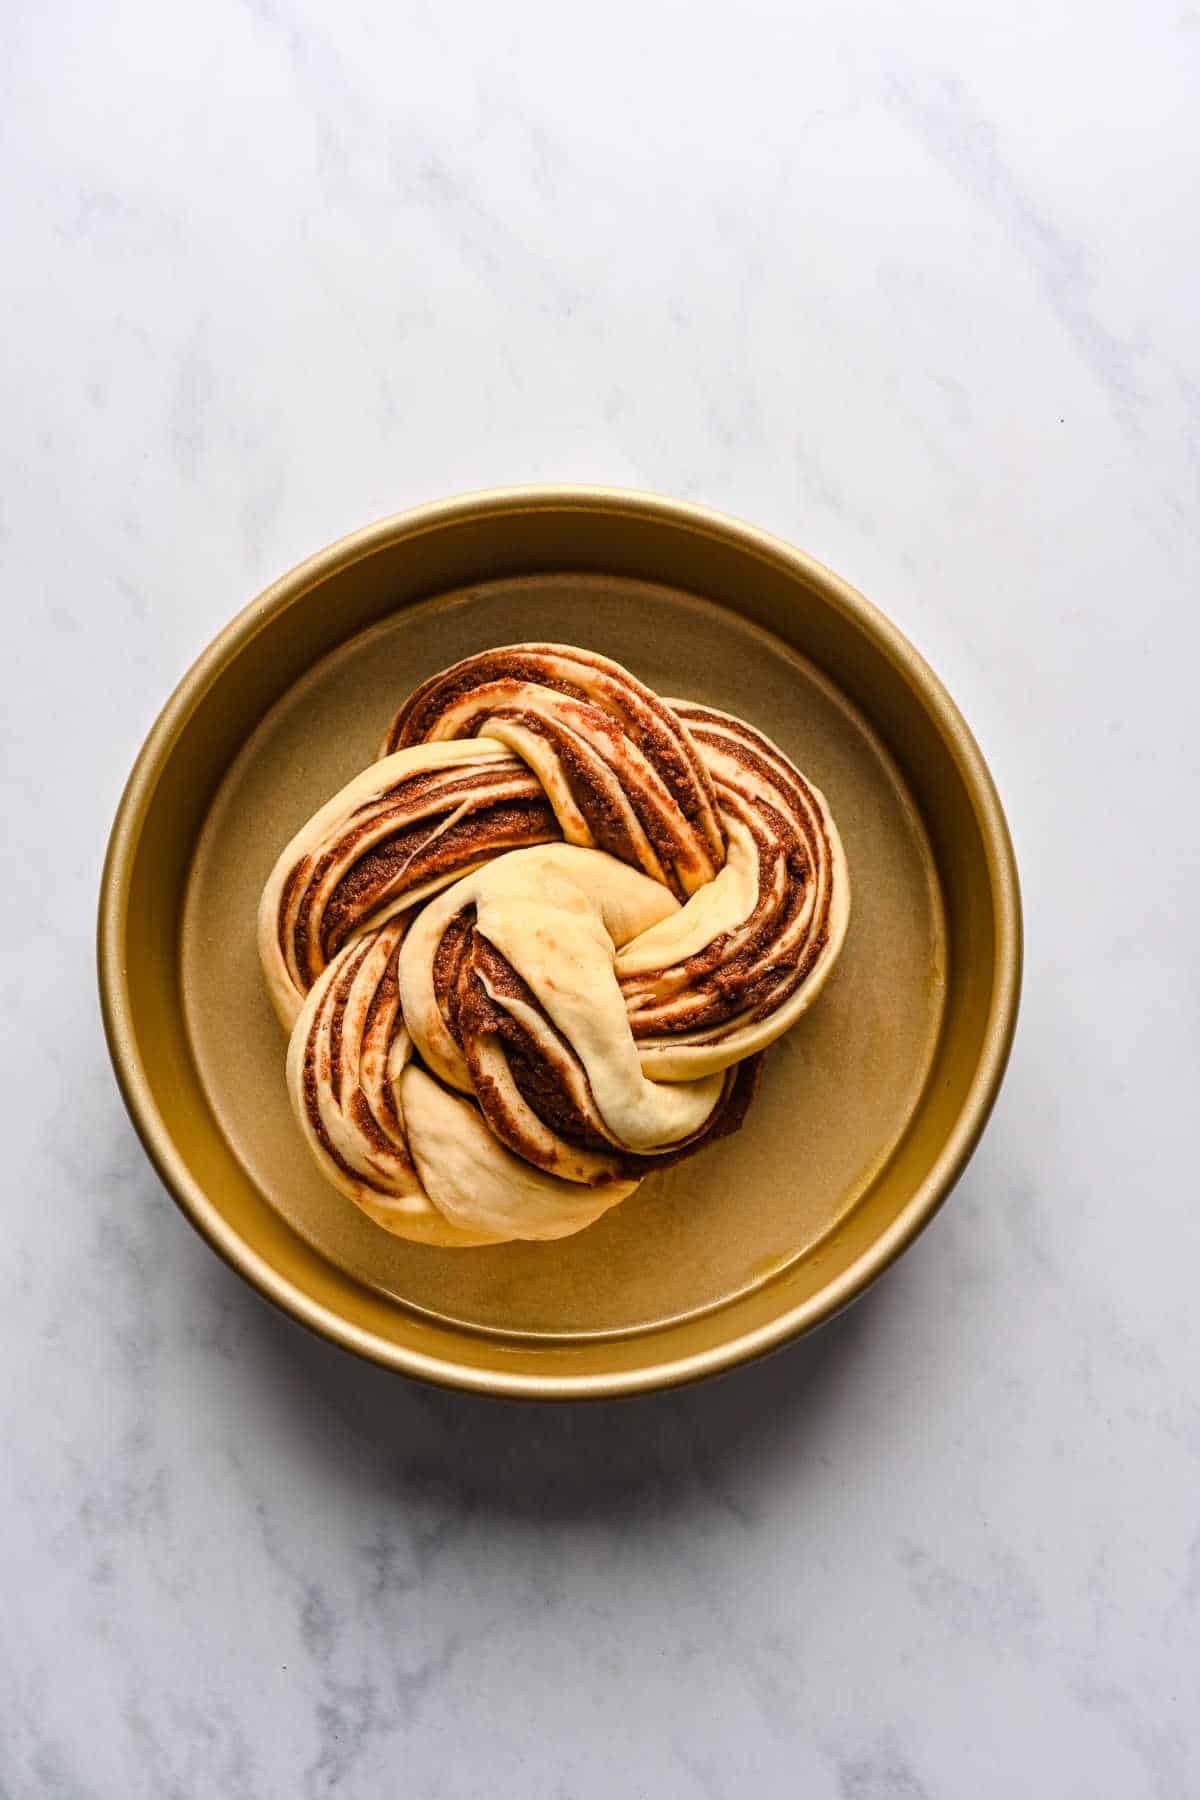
(870,1106)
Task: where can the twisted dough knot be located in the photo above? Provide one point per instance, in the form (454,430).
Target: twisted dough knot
(587,909)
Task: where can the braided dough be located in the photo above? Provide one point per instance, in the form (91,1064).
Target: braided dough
(538,948)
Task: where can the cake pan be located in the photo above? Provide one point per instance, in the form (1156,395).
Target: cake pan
(870,1107)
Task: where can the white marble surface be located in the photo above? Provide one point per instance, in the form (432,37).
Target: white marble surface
(916,290)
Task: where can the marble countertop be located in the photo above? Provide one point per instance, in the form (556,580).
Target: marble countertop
(916,290)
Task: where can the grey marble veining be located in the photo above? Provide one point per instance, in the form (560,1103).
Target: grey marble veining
(917,290)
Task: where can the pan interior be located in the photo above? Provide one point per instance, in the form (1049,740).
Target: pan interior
(838,1091)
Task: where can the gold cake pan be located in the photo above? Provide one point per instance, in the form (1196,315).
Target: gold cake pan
(870,1106)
